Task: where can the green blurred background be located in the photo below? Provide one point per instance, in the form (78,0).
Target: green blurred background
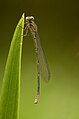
(58,25)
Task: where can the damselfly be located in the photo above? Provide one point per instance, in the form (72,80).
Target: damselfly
(42,66)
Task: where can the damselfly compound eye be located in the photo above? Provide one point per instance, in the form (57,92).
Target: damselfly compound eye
(29,18)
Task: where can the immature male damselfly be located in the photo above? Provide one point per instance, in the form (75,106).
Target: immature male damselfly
(42,66)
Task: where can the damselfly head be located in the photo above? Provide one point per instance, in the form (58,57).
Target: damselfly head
(29,18)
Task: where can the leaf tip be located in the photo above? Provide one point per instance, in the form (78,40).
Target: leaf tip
(23,15)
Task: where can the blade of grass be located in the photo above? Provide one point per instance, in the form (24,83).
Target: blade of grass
(9,99)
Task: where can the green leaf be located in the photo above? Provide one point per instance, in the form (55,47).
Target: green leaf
(9,100)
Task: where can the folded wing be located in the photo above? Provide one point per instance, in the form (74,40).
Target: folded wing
(43,66)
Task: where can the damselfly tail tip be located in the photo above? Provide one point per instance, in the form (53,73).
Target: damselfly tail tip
(36,99)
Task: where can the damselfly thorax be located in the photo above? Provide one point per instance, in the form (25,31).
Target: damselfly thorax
(30,25)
